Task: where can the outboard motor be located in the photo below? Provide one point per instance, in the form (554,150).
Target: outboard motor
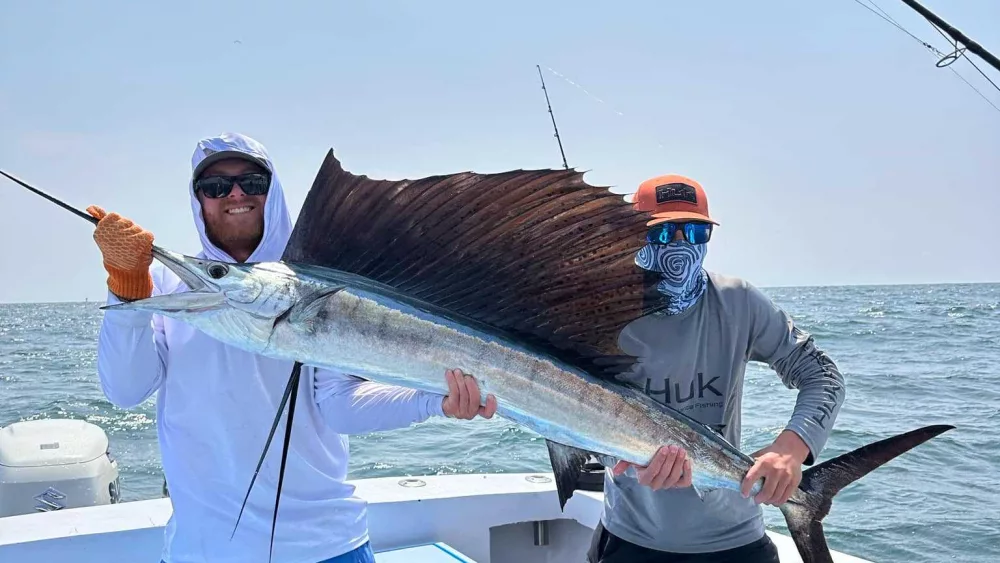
(52,464)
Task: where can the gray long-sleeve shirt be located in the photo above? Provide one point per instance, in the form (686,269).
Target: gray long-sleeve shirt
(695,362)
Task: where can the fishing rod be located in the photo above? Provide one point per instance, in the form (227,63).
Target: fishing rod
(955,34)
(157,251)
(553,116)
(54,200)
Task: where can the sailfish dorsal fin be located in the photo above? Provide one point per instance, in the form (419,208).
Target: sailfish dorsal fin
(538,254)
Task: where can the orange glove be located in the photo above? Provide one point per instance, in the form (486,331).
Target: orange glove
(128,251)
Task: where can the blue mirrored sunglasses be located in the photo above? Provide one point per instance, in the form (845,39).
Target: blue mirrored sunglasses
(694,233)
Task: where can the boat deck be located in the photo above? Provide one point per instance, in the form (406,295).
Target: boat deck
(492,518)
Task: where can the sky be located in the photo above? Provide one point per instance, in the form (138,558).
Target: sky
(832,149)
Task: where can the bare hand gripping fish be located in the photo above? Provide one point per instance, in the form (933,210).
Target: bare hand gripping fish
(523,278)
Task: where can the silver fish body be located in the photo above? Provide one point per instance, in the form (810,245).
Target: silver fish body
(349,324)
(376,336)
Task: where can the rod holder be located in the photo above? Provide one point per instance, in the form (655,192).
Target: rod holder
(541,532)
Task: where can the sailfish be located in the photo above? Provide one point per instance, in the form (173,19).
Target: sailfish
(524,278)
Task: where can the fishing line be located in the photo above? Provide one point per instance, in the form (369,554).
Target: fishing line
(594,97)
(584,90)
(885,16)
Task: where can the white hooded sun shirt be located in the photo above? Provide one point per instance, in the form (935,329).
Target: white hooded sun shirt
(214,407)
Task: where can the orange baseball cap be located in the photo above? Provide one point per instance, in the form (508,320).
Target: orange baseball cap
(672,197)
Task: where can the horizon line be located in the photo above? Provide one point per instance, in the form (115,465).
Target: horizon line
(762,287)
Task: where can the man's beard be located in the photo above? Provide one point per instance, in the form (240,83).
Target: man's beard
(244,238)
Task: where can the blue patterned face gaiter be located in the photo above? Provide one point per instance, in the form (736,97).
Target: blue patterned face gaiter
(684,279)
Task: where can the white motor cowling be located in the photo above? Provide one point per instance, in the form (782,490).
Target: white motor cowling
(51,464)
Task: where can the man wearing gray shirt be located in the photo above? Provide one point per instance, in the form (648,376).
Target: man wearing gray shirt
(693,357)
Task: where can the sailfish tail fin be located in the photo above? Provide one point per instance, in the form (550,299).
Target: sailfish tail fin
(805,511)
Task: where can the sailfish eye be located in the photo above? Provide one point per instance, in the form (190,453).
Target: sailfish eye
(218,270)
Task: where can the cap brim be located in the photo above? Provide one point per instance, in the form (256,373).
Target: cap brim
(223,155)
(679,215)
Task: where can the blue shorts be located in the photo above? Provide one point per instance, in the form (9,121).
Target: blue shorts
(362,554)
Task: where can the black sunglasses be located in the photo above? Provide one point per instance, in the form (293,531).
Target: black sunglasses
(694,233)
(253,183)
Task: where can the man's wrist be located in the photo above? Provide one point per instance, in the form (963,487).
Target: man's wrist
(792,444)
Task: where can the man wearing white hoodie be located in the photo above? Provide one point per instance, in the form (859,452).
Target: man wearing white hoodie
(214,402)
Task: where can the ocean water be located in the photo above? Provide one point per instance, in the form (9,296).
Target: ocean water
(912,356)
